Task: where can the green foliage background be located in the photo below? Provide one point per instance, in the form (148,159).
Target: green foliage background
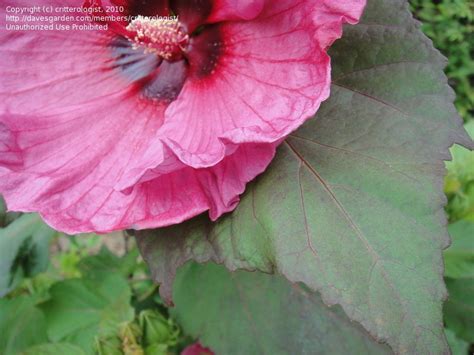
(450,24)
(84,299)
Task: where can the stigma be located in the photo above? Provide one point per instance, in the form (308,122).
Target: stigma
(164,37)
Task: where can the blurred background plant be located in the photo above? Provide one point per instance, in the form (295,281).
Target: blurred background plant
(450,24)
(83,294)
(91,294)
(459,257)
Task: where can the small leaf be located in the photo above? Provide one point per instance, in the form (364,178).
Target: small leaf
(352,205)
(157,349)
(81,310)
(106,263)
(157,329)
(459,183)
(255,313)
(54,349)
(24,250)
(108,346)
(462,165)
(458,346)
(459,309)
(459,257)
(6,217)
(22,325)
(130,336)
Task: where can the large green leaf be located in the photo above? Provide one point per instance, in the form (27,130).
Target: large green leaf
(21,325)
(81,310)
(233,316)
(352,206)
(24,250)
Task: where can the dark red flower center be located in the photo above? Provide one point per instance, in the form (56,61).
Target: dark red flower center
(165,44)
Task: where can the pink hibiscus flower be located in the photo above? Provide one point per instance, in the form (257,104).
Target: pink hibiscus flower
(155,120)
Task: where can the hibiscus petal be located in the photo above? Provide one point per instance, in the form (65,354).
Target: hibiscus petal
(65,102)
(226,10)
(329,15)
(271,74)
(193,13)
(10,153)
(67,115)
(91,205)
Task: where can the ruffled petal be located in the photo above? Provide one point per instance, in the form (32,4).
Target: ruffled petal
(329,15)
(92,205)
(271,75)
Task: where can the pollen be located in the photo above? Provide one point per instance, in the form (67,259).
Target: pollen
(165,37)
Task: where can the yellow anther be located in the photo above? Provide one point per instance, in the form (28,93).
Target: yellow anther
(163,36)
